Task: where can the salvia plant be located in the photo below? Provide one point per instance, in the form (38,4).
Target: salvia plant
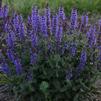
(49,57)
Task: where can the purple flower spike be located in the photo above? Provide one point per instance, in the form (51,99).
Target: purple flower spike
(34,12)
(52,23)
(5,11)
(59,35)
(48,20)
(18,66)
(33,57)
(73,50)
(87,19)
(47,12)
(21,31)
(10,41)
(38,23)
(91,36)
(84,21)
(6,27)
(15,21)
(55,24)
(29,20)
(1,12)
(44,26)
(83,59)
(34,41)
(34,19)
(69,74)
(10,55)
(74,19)
(4,68)
(65,47)
(62,13)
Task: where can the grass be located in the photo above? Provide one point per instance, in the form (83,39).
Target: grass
(24,6)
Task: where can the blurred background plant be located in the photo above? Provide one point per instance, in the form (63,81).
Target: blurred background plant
(24,6)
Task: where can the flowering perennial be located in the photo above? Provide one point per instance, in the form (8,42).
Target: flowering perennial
(41,52)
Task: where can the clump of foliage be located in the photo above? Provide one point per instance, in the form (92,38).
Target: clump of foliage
(48,57)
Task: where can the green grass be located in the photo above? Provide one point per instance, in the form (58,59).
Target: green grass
(24,6)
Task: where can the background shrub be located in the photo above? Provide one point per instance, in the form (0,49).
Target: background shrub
(25,6)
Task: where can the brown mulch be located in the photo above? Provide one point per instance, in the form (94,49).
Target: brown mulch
(4,95)
(98,85)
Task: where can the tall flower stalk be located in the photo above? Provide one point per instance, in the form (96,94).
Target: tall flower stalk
(82,62)
(74,19)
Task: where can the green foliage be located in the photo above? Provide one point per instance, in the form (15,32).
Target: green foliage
(49,82)
(4,79)
(24,6)
(44,87)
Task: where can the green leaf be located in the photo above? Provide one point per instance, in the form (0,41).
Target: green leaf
(69,84)
(4,79)
(44,86)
